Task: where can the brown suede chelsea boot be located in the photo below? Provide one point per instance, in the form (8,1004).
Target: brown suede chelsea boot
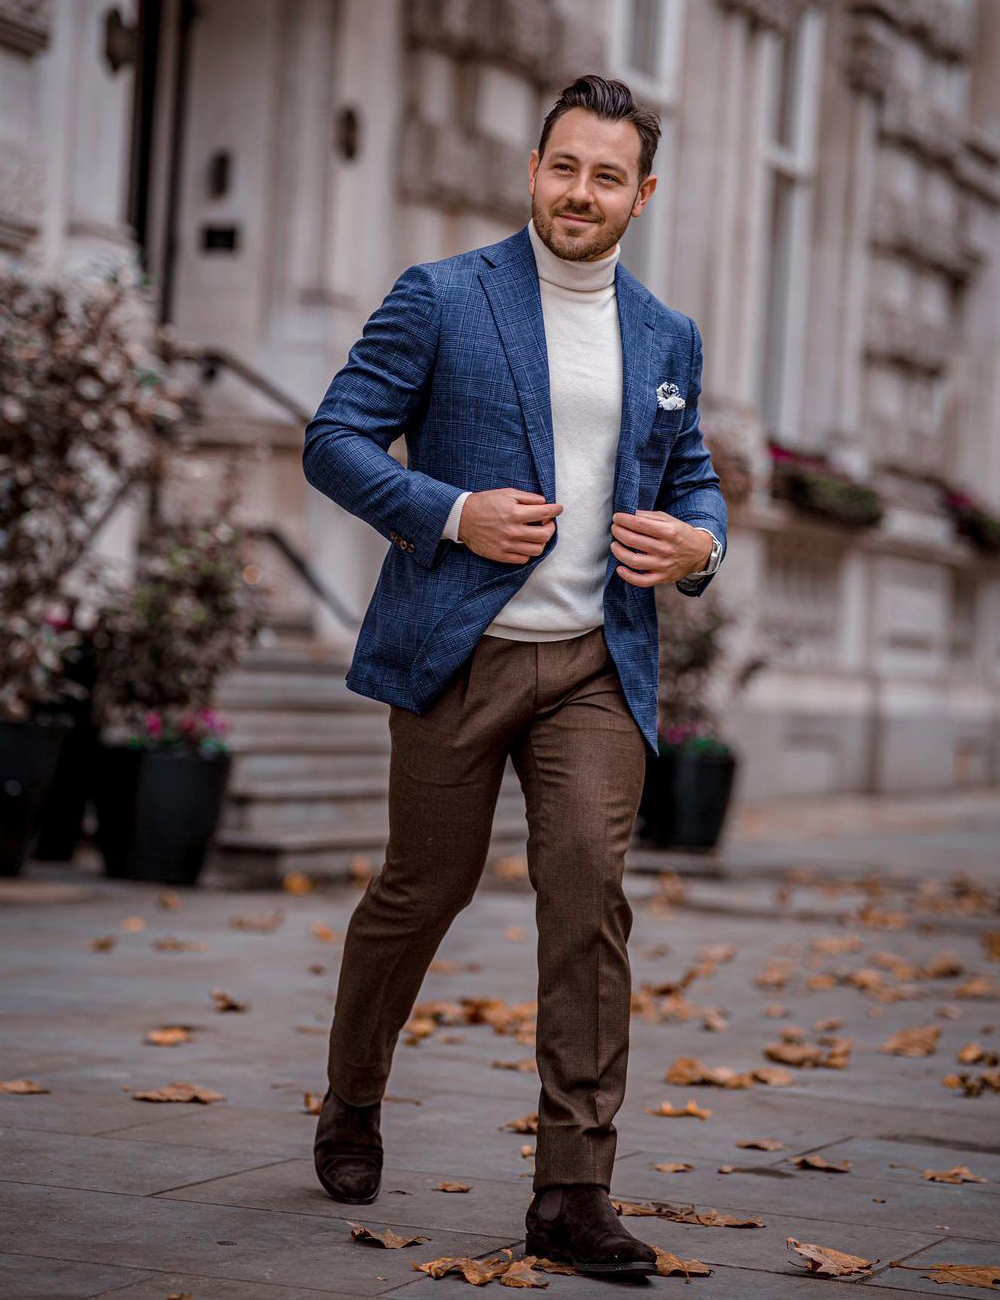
(575,1223)
(348,1150)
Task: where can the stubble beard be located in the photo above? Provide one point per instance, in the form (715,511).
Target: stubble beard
(589,242)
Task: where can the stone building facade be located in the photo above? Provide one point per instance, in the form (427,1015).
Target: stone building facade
(828,210)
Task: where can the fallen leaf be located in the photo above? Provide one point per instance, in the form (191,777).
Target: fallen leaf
(259,924)
(514,933)
(526,1124)
(320,930)
(762,1144)
(660,1210)
(527,1150)
(452,1187)
(317,968)
(975,1054)
(103,944)
(687,1070)
(180,1091)
(226,1002)
(172,944)
(513,867)
(964,1274)
(477,1271)
(674,1167)
(169,899)
(168,1036)
(828,1262)
(296,882)
(666,1108)
(527,1064)
(957,1174)
(920,1040)
(21,1087)
(667,1264)
(820,1162)
(133,923)
(773,1075)
(522,1274)
(313,1102)
(389,1239)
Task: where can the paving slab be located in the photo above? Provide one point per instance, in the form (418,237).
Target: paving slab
(215,1240)
(23,1277)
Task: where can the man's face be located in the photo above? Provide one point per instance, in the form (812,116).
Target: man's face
(585,188)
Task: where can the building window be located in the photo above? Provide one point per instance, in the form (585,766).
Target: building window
(645,44)
(793,67)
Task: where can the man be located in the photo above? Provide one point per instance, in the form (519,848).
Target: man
(555,474)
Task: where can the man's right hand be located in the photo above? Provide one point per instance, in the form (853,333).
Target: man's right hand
(507,524)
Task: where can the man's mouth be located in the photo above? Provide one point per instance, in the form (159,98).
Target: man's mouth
(578,221)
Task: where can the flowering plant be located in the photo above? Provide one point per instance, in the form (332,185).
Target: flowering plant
(202,731)
(86,409)
(808,481)
(973,520)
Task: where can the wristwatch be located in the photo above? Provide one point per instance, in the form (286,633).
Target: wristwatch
(713,560)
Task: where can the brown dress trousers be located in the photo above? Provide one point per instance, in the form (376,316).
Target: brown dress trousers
(558,709)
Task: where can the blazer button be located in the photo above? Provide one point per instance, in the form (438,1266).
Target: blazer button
(410,546)
(393,536)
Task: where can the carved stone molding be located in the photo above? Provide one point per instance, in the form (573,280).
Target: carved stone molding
(780,15)
(912,117)
(437,159)
(20,199)
(898,337)
(900,228)
(24,25)
(947,27)
(867,55)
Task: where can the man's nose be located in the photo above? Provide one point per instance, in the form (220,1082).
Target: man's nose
(580,191)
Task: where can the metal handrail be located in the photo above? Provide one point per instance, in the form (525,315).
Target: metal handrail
(300,564)
(212,358)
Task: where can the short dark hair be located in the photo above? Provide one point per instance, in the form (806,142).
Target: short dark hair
(613,101)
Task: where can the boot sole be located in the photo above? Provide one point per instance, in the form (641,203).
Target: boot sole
(539,1247)
(348,1200)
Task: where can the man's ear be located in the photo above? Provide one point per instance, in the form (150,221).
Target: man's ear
(533,161)
(642,197)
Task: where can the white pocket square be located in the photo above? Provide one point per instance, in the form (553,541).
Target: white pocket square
(669,397)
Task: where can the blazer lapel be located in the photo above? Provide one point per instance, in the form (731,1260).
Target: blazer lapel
(511,286)
(636,319)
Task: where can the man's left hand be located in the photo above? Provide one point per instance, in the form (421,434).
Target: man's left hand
(668,548)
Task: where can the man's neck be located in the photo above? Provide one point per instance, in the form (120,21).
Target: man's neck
(568,273)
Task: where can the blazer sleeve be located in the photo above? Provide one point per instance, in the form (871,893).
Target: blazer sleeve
(380,393)
(690,488)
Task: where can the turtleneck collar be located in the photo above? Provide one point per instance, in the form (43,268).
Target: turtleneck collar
(568,274)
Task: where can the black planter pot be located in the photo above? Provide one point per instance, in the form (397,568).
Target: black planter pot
(60,822)
(29,752)
(685,799)
(157,811)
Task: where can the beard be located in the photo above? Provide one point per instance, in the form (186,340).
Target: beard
(585,243)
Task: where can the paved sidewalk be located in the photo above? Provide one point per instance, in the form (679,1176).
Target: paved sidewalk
(103,1194)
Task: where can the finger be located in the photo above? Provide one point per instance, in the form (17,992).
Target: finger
(642,541)
(632,558)
(544,510)
(648,525)
(637,579)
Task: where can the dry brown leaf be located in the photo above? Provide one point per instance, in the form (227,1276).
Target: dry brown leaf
(477,1271)
(717,952)
(296,882)
(820,1162)
(762,1144)
(526,1124)
(714,1021)
(169,899)
(991,944)
(978,986)
(667,1264)
(514,867)
(705,1218)
(226,1002)
(169,1035)
(102,944)
(774,976)
(452,1187)
(828,1262)
(389,1239)
(522,1274)
(666,1108)
(527,1150)
(975,1054)
(726,1169)
(962,1274)
(172,944)
(552,1266)
(259,924)
(835,944)
(687,1070)
(526,1064)
(920,1040)
(21,1087)
(133,923)
(515,933)
(797,1054)
(774,1075)
(957,1174)
(316,968)
(321,931)
(180,1091)
(313,1102)
(674,1167)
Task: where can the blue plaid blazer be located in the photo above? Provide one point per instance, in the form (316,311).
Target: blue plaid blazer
(454,359)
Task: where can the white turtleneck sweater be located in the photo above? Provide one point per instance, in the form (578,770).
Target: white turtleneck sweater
(564,596)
